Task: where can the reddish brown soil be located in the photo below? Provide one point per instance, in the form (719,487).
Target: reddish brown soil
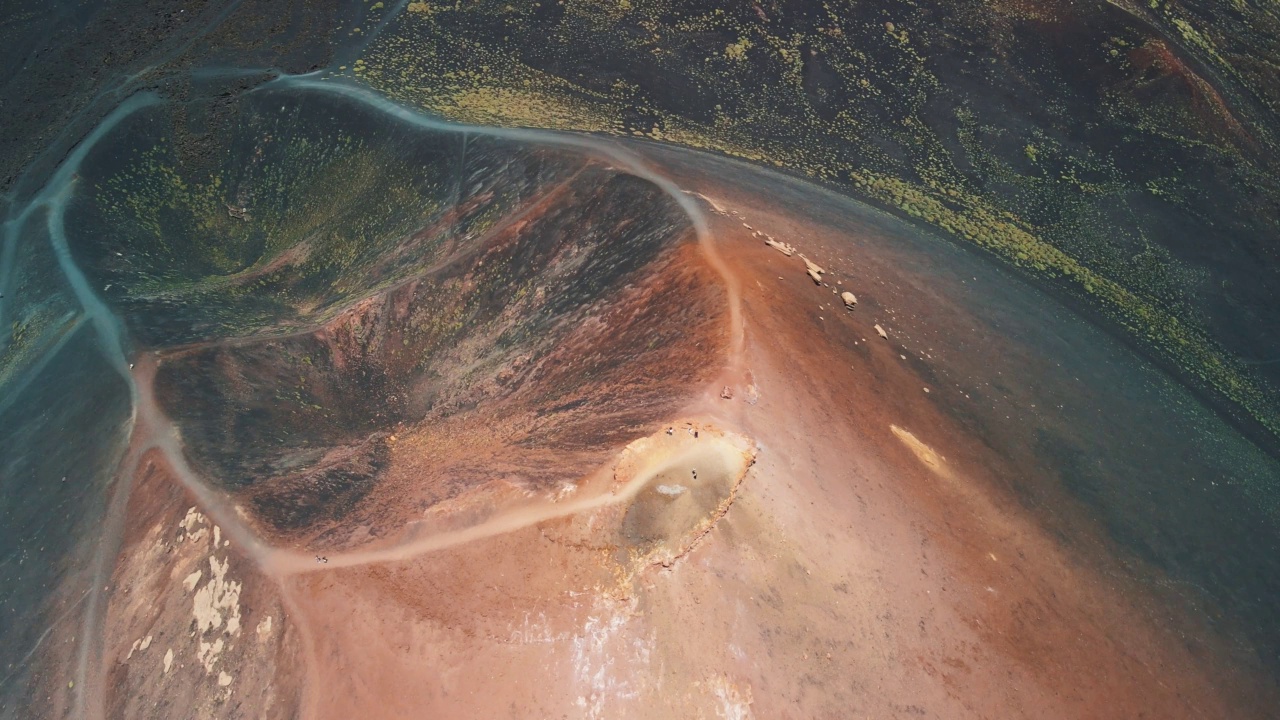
(871,563)
(217,644)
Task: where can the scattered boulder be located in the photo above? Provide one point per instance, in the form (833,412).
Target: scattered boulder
(880,331)
(781,247)
(813,269)
(850,300)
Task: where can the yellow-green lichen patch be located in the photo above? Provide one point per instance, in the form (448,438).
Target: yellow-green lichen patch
(290,226)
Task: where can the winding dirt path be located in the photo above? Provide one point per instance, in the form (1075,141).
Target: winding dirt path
(153,430)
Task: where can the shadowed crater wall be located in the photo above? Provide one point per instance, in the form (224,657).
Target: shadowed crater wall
(352,305)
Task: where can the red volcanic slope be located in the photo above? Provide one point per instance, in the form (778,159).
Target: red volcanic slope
(872,562)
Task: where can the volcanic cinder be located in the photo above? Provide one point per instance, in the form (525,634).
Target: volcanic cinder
(459,422)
